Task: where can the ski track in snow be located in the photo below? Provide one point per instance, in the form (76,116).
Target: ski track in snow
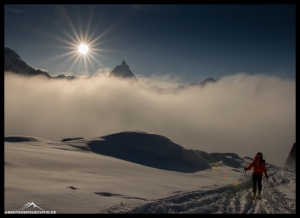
(221,200)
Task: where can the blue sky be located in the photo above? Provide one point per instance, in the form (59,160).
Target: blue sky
(189,42)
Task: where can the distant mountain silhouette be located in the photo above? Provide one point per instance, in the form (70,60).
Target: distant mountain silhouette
(205,82)
(180,88)
(13,63)
(291,160)
(122,71)
(62,76)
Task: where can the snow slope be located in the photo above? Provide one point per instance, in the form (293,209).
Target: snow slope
(74,177)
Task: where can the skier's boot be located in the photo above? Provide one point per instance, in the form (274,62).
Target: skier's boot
(259,196)
(254,192)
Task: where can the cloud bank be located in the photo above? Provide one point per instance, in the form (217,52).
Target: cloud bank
(240,113)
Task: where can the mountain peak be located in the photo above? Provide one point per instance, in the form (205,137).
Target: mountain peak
(10,54)
(123,63)
(204,82)
(210,79)
(122,71)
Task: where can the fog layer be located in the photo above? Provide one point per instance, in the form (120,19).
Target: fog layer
(240,113)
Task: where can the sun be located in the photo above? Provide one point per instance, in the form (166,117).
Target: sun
(83,48)
(82,45)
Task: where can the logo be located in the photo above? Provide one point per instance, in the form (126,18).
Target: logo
(33,205)
(30,208)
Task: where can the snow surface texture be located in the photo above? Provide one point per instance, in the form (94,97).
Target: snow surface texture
(94,176)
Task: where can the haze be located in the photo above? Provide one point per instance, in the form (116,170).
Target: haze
(240,113)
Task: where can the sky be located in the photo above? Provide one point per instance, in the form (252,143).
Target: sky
(74,178)
(183,43)
(248,110)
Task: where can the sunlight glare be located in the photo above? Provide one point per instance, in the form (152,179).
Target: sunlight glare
(83,48)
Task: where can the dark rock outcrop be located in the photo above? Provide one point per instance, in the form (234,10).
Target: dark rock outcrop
(71,139)
(291,160)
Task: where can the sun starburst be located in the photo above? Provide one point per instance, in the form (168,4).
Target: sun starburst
(83,48)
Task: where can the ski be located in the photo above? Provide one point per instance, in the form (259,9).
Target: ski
(256,198)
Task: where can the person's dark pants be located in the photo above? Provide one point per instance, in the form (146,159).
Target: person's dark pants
(257,178)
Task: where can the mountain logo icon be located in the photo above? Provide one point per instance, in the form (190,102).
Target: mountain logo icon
(30,206)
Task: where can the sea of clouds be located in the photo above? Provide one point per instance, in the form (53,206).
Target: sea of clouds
(239,113)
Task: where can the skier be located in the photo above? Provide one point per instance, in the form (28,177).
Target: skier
(258,169)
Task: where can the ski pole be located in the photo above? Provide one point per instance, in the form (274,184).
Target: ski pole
(269,189)
(244,178)
(270,192)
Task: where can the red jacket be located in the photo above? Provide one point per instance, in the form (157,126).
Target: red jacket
(259,167)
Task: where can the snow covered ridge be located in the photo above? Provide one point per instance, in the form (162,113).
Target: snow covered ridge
(147,149)
(13,63)
(157,151)
(136,172)
(24,139)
